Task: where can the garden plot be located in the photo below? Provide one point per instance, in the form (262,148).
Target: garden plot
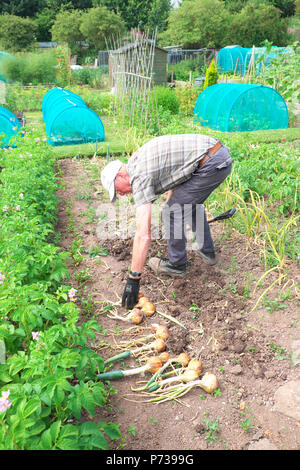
(209,315)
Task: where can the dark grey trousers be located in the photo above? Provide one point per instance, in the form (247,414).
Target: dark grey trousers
(186,207)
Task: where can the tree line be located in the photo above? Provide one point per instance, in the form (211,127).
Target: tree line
(192,24)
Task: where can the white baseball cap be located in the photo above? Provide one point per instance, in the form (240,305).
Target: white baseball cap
(108,175)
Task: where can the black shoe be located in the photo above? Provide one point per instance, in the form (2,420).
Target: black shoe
(208,258)
(164,266)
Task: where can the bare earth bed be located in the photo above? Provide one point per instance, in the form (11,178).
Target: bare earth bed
(254,353)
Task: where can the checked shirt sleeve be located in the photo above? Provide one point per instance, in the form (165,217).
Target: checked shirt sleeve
(143,190)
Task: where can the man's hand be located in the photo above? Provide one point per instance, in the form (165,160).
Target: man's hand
(131,292)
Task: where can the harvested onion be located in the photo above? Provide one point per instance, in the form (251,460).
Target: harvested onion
(148,309)
(183,359)
(142,301)
(164,357)
(135,316)
(188,376)
(158,345)
(196,365)
(162,332)
(209,382)
(152,366)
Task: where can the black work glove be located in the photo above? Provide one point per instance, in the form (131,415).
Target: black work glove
(131,292)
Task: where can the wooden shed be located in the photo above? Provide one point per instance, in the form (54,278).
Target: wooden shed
(126,58)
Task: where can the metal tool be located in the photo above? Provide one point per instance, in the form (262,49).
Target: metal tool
(223,216)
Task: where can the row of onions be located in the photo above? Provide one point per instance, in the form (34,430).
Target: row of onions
(172,377)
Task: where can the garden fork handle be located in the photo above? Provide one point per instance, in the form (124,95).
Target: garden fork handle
(223,216)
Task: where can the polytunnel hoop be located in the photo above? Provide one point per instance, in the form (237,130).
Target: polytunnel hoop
(241,107)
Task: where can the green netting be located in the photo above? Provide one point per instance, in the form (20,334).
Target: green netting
(231,59)
(73,123)
(2,56)
(236,59)
(69,120)
(55,95)
(238,107)
(9,127)
(263,57)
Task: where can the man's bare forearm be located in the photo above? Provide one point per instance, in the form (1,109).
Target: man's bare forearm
(169,194)
(139,252)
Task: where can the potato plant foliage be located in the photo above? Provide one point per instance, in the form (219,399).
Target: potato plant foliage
(48,368)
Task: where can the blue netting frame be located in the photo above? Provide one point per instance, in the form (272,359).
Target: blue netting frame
(232,107)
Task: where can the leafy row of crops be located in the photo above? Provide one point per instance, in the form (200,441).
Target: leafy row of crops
(48,372)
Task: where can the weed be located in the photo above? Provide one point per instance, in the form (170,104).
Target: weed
(279,351)
(273,305)
(131,430)
(212,430)
(194,308)
(76,251)
(153,420)
(88,305)
(83,276)
(246,425)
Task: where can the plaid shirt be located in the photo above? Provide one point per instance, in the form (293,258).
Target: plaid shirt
(165,162)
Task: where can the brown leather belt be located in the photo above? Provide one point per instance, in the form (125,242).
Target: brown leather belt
(212,151)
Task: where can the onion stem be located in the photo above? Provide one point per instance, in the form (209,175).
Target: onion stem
(169,317)
(153,364)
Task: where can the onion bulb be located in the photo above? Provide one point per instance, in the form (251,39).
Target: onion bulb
(164,357)
(162,332)
(142,301)
(209,382)
(189,375)
(135,316)
(196,365)
(148,309)
(158,345)
(183,359)
(154,364)
(140,294)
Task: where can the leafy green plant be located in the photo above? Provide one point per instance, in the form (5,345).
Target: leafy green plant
(280,351)
(282,74)
(96,78)
(83,276)
(131,430)
(211,430)
(166,99)
(181,70)
(48,376)
(246,425)
(187,96)
(194,308)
